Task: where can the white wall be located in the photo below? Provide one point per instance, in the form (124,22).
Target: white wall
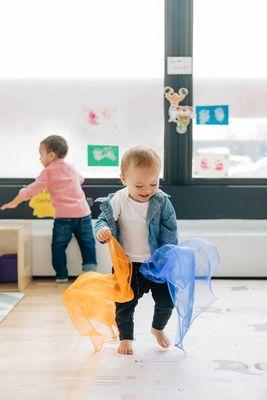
(242,245)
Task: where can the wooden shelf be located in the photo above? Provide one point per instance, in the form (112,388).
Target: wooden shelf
(16,238)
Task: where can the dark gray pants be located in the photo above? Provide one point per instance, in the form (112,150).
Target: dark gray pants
(162,309)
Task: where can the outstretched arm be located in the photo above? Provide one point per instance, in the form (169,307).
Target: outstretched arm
(13,203)
(29,191)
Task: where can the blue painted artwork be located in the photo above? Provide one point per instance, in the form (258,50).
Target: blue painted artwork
(212,115)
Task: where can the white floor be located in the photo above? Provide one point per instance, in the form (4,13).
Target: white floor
(226,352)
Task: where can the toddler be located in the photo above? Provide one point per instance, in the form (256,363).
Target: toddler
(142,219)
(72,212)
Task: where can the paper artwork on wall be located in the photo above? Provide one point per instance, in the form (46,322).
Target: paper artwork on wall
(212,115)
(101,118)
(102,156)
(179,114)
(179,65)
(212,163)
(42,206)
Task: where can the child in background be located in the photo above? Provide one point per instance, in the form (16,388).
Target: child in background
(143,219)
(72,212)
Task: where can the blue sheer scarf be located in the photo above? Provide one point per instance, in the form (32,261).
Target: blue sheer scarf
(187,269)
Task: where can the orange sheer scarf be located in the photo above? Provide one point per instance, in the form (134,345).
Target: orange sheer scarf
(90,300)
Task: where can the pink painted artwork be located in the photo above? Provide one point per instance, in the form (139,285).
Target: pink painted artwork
(107,113)
(204,164)
(212,162)
(219,165)
(93,118)
(101,118)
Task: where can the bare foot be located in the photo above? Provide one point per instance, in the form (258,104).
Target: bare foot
(161,338)
(126,347)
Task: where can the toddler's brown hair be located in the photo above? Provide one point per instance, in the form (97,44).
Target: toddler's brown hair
(57,144)
(140,156)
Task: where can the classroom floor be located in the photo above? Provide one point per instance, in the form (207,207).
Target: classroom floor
(42,357)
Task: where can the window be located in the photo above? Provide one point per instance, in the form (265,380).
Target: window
(24,122)
(89,70)
(230,68)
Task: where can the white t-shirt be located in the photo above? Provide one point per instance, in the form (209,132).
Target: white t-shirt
(131,217)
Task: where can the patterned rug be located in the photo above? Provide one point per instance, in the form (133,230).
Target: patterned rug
(8,300)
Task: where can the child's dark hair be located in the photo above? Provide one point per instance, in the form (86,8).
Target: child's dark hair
(57,144)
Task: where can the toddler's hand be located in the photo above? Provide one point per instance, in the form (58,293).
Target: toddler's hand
(8,205)
(103,234)
(13,203)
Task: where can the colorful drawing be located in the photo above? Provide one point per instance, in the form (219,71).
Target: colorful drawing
(101,117)
(204,164)
(212,115)
(219,166)
(204,116)
(93,118)
(181,115)
(103,156)
(42,206)
(212,162)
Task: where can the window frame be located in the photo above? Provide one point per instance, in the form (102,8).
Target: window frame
(199,198)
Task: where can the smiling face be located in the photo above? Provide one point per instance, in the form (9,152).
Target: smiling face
(142,182)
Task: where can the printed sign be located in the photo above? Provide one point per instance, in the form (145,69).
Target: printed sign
(103,155)
(212,115)
(179,65)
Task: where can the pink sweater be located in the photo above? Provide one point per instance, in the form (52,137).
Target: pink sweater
(64,186)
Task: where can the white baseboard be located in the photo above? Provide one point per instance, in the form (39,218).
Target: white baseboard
(242,245)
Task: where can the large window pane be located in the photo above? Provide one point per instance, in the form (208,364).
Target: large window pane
(230,68)
(89,70)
